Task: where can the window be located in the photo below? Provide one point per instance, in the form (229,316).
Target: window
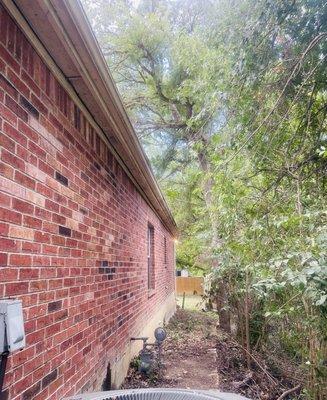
(150,244)
(165,252)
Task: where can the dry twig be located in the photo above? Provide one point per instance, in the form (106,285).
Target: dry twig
(289,391)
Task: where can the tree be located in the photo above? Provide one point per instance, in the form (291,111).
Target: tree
(229,99)
(166,65)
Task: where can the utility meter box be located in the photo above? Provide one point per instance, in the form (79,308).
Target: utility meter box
(12,332)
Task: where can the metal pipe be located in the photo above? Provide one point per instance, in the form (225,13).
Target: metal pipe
(3,365)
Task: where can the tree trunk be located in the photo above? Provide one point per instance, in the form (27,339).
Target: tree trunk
(222,308)
(247,322)
(221,296)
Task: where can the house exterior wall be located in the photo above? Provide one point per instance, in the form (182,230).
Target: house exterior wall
(73,237)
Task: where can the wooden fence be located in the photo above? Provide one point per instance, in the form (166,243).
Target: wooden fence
(190,285)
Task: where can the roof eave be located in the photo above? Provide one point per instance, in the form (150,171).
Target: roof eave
(64,31)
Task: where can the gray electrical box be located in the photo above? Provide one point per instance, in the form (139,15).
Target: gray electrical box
(12,332)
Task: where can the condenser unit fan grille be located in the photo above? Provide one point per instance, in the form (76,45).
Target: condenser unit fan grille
(158,394)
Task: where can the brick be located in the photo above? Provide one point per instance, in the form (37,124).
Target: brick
(21,232)
(10,216)
(29,66)
(30,83)
(38,312)
(12,188)
(59,316)
(16,108)
(35,173)
(29,273)
(2,66)
(23,355)
(38,285)
(18,83)
(35,198)
(48,272)
(14,134)
(8,114)
(32,222)
(22,384)
(11,36)
(23,153)
(55,284)
(4,229)
(33,364)
(8,87)
(44,214)
(27,131)
(3,259)
(54,306)
(61,178)
(58,240)
(39,105)
(7,143)
(25,180)
(46,168)
(66,212)
(8,274)
(14,289)
(50,227)
(6,171)
(22,206)
(7,58)
(9,244)
(47,249)
(29,247)
(51,205)
(30,393)
(55,122)
(28,107)
(30,326)
(35,149)
(41,260)
(20,259)
(37,67)
(18,45)
(4,18)
(29,299)
(45,297)
(44,190)
(59,219)
(42,237)
(53,329)
(58,198)
(12,160)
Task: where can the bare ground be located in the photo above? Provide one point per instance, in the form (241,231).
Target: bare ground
(189,355)
(197,355)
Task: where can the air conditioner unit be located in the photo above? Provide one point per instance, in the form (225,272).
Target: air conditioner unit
(158,394)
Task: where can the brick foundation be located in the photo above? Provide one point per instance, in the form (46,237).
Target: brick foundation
(73,235)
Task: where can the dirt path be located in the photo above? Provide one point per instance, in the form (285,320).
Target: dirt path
(198,356)
(189,355)
(194,366)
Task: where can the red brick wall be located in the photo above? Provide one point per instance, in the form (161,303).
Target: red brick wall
(73,232)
